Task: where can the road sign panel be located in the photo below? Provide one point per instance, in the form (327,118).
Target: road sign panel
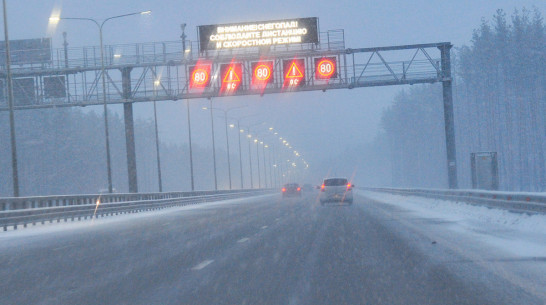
(231,76)
(325,68)
(199,76)
(258,34)
(262,73)
(294,72)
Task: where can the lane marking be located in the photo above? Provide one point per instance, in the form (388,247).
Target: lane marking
(165,224)
(243,240)
(203,264)
(61,248)
(264,227)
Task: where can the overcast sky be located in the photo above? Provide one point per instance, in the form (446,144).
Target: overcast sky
(317,123)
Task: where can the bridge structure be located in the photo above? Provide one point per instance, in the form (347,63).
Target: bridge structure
(160,71)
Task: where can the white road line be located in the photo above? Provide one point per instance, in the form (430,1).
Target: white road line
(203,264)
(264,227)
(165,224)
(243,240)
(61,248)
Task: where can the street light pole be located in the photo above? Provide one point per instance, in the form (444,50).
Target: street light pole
(265,167)
(183,37)
(250,159)
(276,166)
(227,145)
(258,162)
(213,146)
(271,182)
(15,173)
(106,133)
(240,153)
(227,136)
(103,76)
(189,142)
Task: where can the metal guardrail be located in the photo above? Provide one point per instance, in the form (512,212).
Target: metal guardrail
(515,202)
(93,206)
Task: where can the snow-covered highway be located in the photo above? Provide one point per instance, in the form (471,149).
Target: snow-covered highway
(384,249)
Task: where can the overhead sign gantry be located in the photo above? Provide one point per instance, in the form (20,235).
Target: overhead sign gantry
(251,58)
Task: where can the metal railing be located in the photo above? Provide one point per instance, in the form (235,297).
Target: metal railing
(32,210)
(515,202)
(160,53)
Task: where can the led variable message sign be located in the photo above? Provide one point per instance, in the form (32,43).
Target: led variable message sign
(325,68)
(199,76)
(258,34)
(294,72)
(262,73)
(231,76)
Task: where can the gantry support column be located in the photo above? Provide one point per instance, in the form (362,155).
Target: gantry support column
(448,115)
(129,130)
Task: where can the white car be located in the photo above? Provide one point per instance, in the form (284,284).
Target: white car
(336,189)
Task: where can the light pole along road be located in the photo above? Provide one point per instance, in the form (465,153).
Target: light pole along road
(15,174)
(249,136)
(225,111)
(240,150)
(55,20)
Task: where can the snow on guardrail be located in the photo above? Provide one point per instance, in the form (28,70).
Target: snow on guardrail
(34,210)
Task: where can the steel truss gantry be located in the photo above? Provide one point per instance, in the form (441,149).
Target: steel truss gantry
(159,71)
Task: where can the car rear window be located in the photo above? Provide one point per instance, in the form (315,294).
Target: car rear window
(294,185)
(335,182)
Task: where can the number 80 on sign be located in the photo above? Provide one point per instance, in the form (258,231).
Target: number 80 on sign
(325,68)
(199,76)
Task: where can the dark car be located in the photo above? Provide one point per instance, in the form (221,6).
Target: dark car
(291,190)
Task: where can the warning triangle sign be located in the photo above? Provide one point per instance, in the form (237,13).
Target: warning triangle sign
(294,71)
(231,76)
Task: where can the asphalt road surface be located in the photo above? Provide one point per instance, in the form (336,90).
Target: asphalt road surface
(261,250)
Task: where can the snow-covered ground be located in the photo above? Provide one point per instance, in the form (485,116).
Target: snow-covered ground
(518,233)
(513,245)
(122,219)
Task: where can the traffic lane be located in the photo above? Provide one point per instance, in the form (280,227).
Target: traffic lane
(107,260)
(334,255)
(278,252)
(235,277)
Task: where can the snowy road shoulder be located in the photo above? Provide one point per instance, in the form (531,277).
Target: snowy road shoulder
(119,220)
(513,245)
(520,234)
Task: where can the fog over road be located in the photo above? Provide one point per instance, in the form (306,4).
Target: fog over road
(260,250)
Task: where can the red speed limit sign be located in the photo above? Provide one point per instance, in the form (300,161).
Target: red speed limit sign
(325,68)
(262,72)
(199,76)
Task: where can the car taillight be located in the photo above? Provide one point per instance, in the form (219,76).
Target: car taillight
(283,189)
(299,189)
(348,186)
(322,188)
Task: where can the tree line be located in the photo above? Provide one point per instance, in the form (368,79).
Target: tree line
(62,151)
(499,106)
